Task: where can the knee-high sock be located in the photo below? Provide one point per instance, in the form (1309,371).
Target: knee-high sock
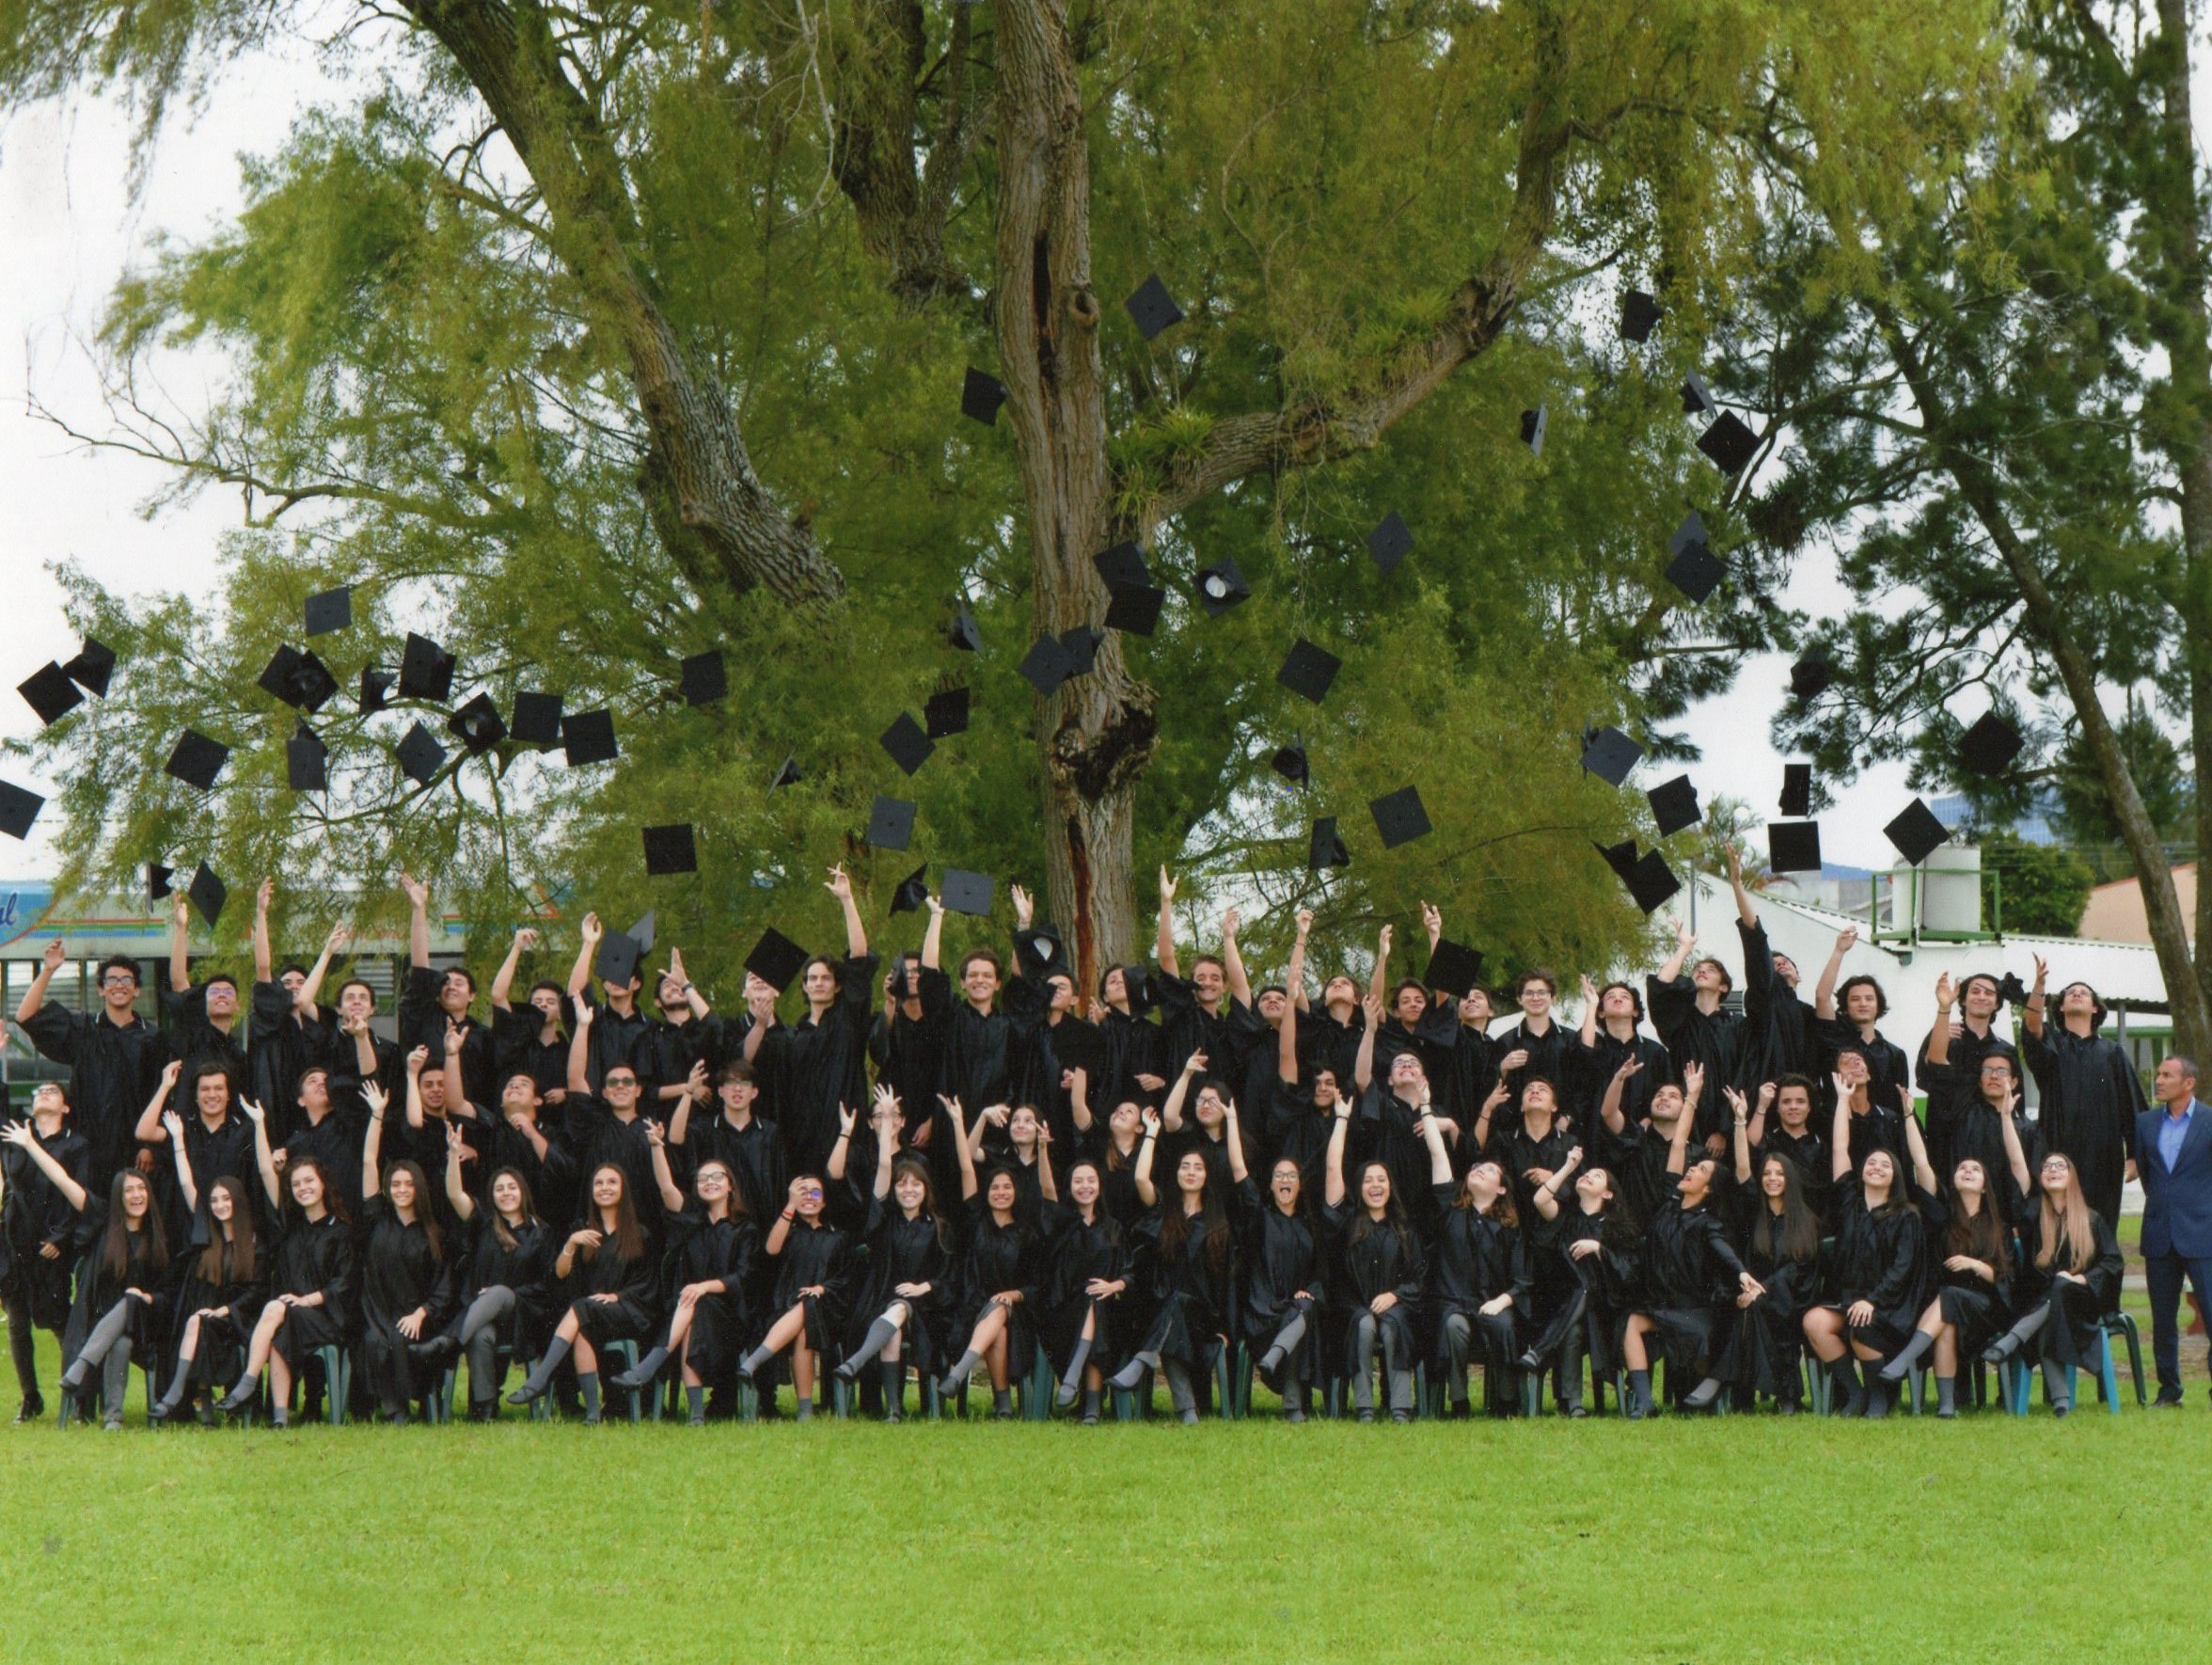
(105,1334)
(649,1366)
(1286,1343)
(753,1361)
(1090,1404)
(1639,1393)
(874,1341)
(1178,1390)
(1843,1372)
(1072,1377)
(179,1379)
(695,1404)
(541,1376)
(2031,1326)
(116,1377)
(22,1348)
(1901,1367)
(1001,1402)
(894,1384)
(963,1367)
(1366,1340)
(2054,1385)
(1132,1372)
(588,1384)
(489,1306)
(1946,1394)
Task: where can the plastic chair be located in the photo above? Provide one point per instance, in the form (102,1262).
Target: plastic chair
(2123,1323)
(2019,1380)
(148,1368)
(628,1352)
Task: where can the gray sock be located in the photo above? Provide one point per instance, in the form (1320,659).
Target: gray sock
(806,1408)
(588,1384)
(1132,1372)
(2054,1385)
(1901,1367)
(894,1386)
(878,1336)
(116,1379)
(1284,1345)
(695,1402)
(753,1360)
(1090,1404)
(962,1368)
(104,1334)
(174,1395)
(1072,1377)
(1946,1394)
(1001,1402)
(541,1376)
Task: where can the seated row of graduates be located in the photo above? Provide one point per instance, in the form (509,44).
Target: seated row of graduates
(1430,1242)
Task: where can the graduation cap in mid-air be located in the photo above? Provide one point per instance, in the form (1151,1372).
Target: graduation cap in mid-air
(198,760)
(786,774)
(157,880)
(1730,443)
(1152,307)
(1123,563)
(1916,833)
(1134,608)
(981,395)
(306,762)
(890,823)
(376,690)
(1390,542)
(1046,666)
(50,692)
(705,678)
(1220,587)
(1081,645)
(910,747)
(537,718)
(966,893)
(1811,674)
(1697,398)
(962,633)
(1400,817)
(1326,847)
(1609,754)
(330,610)
(1990,745)
(1533,423)
(1454,966)
(426,671)
(1796,789)
(776,959)
(1794,847)
(946,714)
(1694,568)
(1650,881)
(420,756)
(618,958)
(1291,763)
(588,736)
(1039,952)
(478,724)
(19,808)
(672,848)
(1639,315)
(1620,857)
(912,894)
(91,667)
(1674,805)
(207,892)
(1307,670)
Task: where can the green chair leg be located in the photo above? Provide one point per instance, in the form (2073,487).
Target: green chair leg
(337,1384)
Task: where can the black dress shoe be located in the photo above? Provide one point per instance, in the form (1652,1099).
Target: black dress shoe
(2164,1403)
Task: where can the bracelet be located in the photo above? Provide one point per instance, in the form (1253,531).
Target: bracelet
(790,1214)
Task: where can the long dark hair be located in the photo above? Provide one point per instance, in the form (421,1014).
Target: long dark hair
(115,1251)
(1175,1224)
(501,1229)
(1101,1216)
(230,1260)
(1364,1225)
(1502,1209)
(1801,1231)
(333,1200)
(423,1216)
(902,1166)
(1980,1234)
(629,1242)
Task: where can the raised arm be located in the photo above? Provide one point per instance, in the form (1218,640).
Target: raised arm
(580,974)
(671,1194)
(149,1121)
(1678,1145)
(1046,1186)
(1440,1170)
(180,960)
(933,936)
(856,934)
(1823,992)
(1609,1106)
(2015,1157)
(1740,1115)
(1378,984)
(19,1133)
(1362,1063)
(2031,1014)
(840,1153)
(1685,940)
(1232,959)
(261,930)
(1171,1113)
(418,1061)
(417,895)
(1239,1170)
(1746,914)
(310,991)
(1939,1037)
(457,1103)
(1287,1036)
(1766,1099)
(888,1118)
(1590,1011)
(372,1141)
(186,1187)
(456,1193)
(503,980)
(692,997)
(1164,944)
(1078,1082)
(951,1109)
(35,996)
(580,1049)
(1547,1194)
(1840,1134)
(1925,1170)
(1332,1174)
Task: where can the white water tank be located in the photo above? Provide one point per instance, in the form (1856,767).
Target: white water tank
(1948,889)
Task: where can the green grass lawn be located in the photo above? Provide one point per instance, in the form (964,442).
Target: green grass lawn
(1749,1538)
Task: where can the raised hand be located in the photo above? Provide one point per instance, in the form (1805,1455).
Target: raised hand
(838,884)
(416,891)
(526,937)
(887,1102)
(170,1070)
(1589,990)
(657,1135)
(1231,923)
(1631,1066)
(1518,1059)
(180,910)
(378,1099)
(19,1133)
(1946,993)
(1737,1103)
(254,1113)
(1167,886)
(1372,1004)
(1847,938)
(263,895)
(1305,918)
(175,1124)
(696,1084)
(1024,905)
(586,1013)
(1383,940)
(1150,1118)
(1693,1080)
(1766,1094)
(844,1121)
(417,1059)
(1684,938)
(55,954)
(1194,1064)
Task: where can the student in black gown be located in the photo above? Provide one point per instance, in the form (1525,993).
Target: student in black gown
(1135,1065)
(621,1031)
(1118,1160)
(1207,1129)
(220,1300)
(1691,1272)
(1609,1035)
(1301,1109)
(999,1276)
(529,1038)
(1780,1036)
(514,1139)
(1186,1240)
(1980,1107)
(1873,1124)
(1532,1152)
(905,1294)
(432,1001)
(1782,1125)
(217,1139)
(817,1272)
(1851,1012)
(430,1109)
(710,1249)
(1200,1015)
(1412,1021)
(606,1275)
(1972,1036)
(1086,1273)
(115,1058)
(1583,1261)
(1376,1275)
(506,1279)
(607,1126)
(123,1304)
(1781,1235)
(1390,1113)
(1637,1153)
(1014,1138)
(204,1020)
(821,1062)
(1972,1246)
(311,1290)
(45,1187)
(2070,1270)
(2089,1094)
(1535,1048)
(683,1046)
(1878,1276)
(1696,1028)
(1478,1278)
(1282,1283)
(731,1132)
(325,1129)
(406,1279)
(907,1044)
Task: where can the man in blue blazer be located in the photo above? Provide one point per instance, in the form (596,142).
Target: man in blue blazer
(2174,1159)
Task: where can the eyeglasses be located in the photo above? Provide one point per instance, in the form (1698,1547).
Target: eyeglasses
(621,1080)
(118,981)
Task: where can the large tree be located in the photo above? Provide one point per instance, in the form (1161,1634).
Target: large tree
(588,337)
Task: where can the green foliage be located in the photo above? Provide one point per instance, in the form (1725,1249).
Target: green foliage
(2167,787)
(2044,886)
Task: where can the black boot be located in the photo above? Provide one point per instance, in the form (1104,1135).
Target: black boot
(1844,1374)
(893,1372)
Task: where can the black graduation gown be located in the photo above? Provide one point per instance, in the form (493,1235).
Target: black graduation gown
(1714,1039)
(816,1255)
(2087,1097)
(1133,1048)
(1765,1347)
(334,1142)
(114,1068)
(1548,1055)
(1880,1258)
(754,1153)
(1388,1132)
(526,1268)
(1462,1076)
(598,1137)
(1950,1085)
(702,1250)
(194,1036)
(34,1212)
(1808,1153)
(1433,1041)
(400,1271)
(1322,1039)
(667,1050)
(278,1048)
(1977,1134)
(314,1256)
(909,1053)
(1281,1256)
(1222,1034)
(1074,1253)
(821,1063)
(220,1356)
(211,1153)
(1517,1154)
(1295,1127)
(987,1054)
(1000,1257)
(1637,1158)
(1590,1071)
(1887,1069)
(1778,1021)
(635,1282)
(2071,1336)
(334,1049)
(908,1251)
(98,1288)
(1881,1127)
(517,1043)
(1605,1280)
(1473,1259)
(421,1021)
(552,1177)
(1979,1307)
(1368,1263)
(1690,1273)
(1189,1289)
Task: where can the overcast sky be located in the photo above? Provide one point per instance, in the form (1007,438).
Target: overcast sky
(71,229)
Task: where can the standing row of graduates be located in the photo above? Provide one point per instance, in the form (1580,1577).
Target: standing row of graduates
(1352,1189)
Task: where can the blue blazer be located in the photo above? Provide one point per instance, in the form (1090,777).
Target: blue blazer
(2177,1201)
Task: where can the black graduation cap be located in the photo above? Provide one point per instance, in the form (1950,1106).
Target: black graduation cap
(1609,754)
(890,823)
(787,774)
(277,677)
(1327,847)
(19,808)
(1307,670)
(1796,789)
(1639,315)
(157,880)
(1046,665)
(981,395)
(1134,608)
(1454,966)
(477,725)
(1152,307)
(1220,587)
(1730,443)
(1810,676)
(1697,398)
(704,679)
(588,736)
(1400,817)
(962,632)
(2012,991)
(312,684)
(426,671)
(1620,857)
(1039,952)
(946,714)
(92,666)
(1695,569)
(1990,745)
(776,959)
(1532,428)
(673,848)
(376,686)
(1916,832)
(619,955)
(644,932)
(1794,847)
(420,756)
(1076,1044)
(912,895)
(1081,644)
(330,610)
(208,893)
(306,762)
(1390,542)
(910,747)
(198,760)
(537,718)
(1674,805)
(51,692)
(1291,763)
(966,893)
(1124,563)
(1650,881)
